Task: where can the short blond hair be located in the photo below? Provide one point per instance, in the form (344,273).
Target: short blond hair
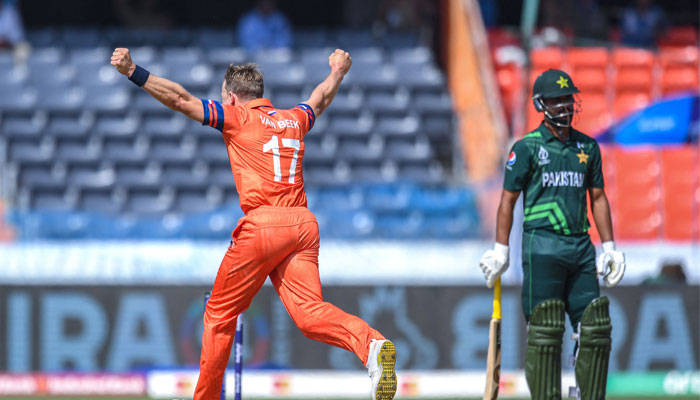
(245,81)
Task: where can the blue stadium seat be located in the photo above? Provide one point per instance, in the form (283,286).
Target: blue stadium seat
(432,104)
(220,174)
(397,126)
(340,198)
(427,173)
(172,56)
(387,104)
(137,174)
(62,100)
(383,198)
(223,56)
(119,126)
(217,224)
(13,78)
(272,56)
(309,38)
(162,149)
(28,150)
(40,175)
(346,103)
(407,149)
(352,38)
(181,174)
(18,101)
(81,57)
(285,76)
(51,74)
(146,201)
(171,125)
(438,127)
(76,150)
(214,38)
(99,200)
(62,126)
(42,37)
(375,77)
(193,200)
(353,149)
(420,77)
(50,199)
(89,175)
(401,225)
(23,126)
(411,55)
(285,100)
(145,55)
(148,105)
(212,148)
(369,171)
(123,149)
(107,99)
(371,56)
(82,37)
(359,125)
(392,40)
(193,76)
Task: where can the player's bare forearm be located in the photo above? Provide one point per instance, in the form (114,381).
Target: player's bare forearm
(323,94)
(504,217)
(171,94)
(174,96)
(600,208)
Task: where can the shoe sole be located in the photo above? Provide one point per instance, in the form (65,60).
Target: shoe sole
(386,388)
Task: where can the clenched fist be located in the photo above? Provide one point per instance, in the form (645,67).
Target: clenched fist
(340,61)
(121,59)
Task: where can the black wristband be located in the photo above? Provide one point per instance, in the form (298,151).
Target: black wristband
(140,76)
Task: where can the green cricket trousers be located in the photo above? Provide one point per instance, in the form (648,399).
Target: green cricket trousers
(558,267)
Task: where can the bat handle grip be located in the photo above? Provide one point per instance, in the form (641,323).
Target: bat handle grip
(497,300)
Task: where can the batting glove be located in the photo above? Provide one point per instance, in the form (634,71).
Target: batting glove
(494,263)
(611,264)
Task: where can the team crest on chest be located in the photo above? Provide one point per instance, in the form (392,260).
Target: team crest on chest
(543,155)
(582,157)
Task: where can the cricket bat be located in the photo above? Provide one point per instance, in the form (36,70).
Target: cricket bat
(493,358)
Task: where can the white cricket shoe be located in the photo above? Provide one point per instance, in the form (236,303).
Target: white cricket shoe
(381,365)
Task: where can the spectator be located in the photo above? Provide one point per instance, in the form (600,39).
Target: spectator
(11,27)
(642,24)
(264,27)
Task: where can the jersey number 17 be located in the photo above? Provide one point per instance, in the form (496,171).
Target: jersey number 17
(274,145)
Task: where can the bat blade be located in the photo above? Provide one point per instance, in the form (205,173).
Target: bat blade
(493,361)
(493,358)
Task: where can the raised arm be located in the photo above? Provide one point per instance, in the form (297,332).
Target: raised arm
(170,93)
(323,94)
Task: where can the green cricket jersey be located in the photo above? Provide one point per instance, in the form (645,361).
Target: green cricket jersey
(554,178)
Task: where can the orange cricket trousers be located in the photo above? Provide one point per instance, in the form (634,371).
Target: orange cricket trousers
(282,243)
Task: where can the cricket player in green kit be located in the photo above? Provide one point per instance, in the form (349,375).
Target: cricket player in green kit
(556,166)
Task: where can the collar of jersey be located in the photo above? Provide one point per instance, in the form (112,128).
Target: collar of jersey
(261,102)
(547,135)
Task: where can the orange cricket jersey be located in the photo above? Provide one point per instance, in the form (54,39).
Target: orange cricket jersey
(265,148)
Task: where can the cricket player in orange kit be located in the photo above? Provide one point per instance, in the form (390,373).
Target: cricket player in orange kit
(278,236)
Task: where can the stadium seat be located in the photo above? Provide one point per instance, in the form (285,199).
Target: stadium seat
(637,212)
(583,58)
(170,125)
(23,126)
(188,201)
(595,115)
(193,76)
(627,103)
(420,77)
(437,127)
(590,79)
(680,184)
(107,100)
(431,104)
(369,171)
(69,126)
(76,150)
(214,38)
(405,149)
(99,200)
(285,76)
(28,150)
(123,149)
(40,175)
(147,201)
(183,174)
(352,38)
(680,79)
(82,37)
(375,76)
(118,126)
(388,103)
(136,173)
(219,57)
(545,58)
(411,55)
(419,171)
(62,100)
(310,38)
(90,175)
(397,126)
(212,148)
(50,199)
(169,149)
(359,125)
(17,101)
(351,149)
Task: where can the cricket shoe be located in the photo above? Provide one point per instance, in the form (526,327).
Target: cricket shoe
(381,365)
